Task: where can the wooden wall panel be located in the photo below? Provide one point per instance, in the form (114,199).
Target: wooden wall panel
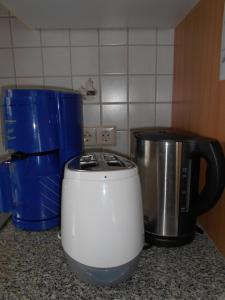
(199,95)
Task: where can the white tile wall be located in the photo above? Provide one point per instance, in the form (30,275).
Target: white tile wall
(113,59)
(56,61)
(84,60)
(142,115)
(84,37)
(6,81)
(23,36)
(6,63)
(164,88)
(142,88)
(28,62)
(80,81)
(142,59)
(132,70)
(142,36)
(91,115)
(55,38)
(3,11)
(5,40)
(114,88)
(30,81)
(166,37)
(115,114)
(165,60)
(64,82)
(122,142)
(163,118)
(113,37)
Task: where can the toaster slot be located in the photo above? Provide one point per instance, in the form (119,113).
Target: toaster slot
(88,165)
(88,162)
(115,163)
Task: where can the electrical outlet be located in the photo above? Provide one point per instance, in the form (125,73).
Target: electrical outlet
(89,136)
(106,135)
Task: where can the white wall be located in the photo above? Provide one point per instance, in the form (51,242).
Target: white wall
(132,70)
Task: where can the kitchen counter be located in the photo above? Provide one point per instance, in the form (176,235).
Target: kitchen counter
(33,266)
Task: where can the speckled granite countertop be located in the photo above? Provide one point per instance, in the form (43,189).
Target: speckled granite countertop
(33,266)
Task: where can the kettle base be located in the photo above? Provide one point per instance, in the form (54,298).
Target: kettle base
(168,241)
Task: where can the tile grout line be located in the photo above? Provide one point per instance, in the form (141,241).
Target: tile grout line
(99,79)
(42,58)
(91,75)
(13,52)
(156,81)
(131,103)
(71,66)
(128,93)
(87,46)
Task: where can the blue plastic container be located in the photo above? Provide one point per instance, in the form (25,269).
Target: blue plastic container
(6,204)
(44,129)
(30,120)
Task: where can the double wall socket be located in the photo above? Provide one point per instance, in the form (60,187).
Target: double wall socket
(101,135)
(90,138)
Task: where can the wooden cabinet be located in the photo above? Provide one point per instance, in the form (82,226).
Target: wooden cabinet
(199,95)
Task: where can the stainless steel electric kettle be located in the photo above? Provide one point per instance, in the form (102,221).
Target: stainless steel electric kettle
(169,167)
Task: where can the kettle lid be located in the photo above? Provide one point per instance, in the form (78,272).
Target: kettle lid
(162,134)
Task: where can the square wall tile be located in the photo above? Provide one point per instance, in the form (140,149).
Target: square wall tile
(23,36)
(30,81)
(81,81)
(142,88)
(28,62)
(142,36)
(223,37)
(84,60)
(222,65)
(121,143)
(84,37)
(62,82)
(113,37)
(114,88)
(164,88)
(91,114)
(142,59)
(55,37)
(6,63)
(56,61)
(165,37)
(115,114)
(3,11)
(163,114)
(5,40)
(142,115)
(165,60)
(113,60)
(4,82)
(2,148)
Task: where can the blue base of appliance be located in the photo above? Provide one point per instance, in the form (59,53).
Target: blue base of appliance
(36,225)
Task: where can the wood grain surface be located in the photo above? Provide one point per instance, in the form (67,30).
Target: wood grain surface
(198,94)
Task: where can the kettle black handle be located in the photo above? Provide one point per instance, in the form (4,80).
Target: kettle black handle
(212,152)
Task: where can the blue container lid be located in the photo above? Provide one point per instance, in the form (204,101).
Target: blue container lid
(24,96)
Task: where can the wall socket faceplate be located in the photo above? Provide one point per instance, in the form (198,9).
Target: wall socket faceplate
(106,135)
(90,136)
(100,135)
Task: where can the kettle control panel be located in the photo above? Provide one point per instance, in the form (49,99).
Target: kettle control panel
(185,187)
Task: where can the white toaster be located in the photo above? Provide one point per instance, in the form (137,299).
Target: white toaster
(102,217)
